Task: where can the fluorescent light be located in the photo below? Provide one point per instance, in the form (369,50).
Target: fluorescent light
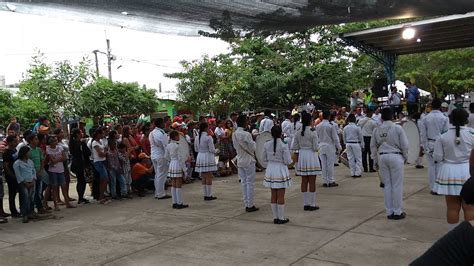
(408,33)
(124,13)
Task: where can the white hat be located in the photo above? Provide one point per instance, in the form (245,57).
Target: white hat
(444,105)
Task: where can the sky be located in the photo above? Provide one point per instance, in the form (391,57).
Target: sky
(21,35)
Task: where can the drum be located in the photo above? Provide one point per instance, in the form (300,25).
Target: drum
(343,158)
(260,141)
(183,148)
(413,135)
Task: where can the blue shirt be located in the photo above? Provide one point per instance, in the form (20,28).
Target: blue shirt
(412,94)
(24,171)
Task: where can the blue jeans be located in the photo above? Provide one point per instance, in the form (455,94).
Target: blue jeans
(115,177)
(27,199)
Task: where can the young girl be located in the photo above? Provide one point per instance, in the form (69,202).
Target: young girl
(451,153)
(176,170)
(55,156)
(99,153)
(205,162)
(277,177)
(25,173)
(308,166)
(125,163)
(115,170)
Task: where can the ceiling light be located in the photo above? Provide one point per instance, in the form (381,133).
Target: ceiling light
(11,7)
(408,33)
(418,40)
(124,13)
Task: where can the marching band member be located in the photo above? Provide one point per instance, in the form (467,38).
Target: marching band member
(367,125)
(431,127)
(205,161)
(176,170)
(354,141)
(328,146)
(389,146)
(158,143)
(287,128)
(306,142)
(267,122)
(245,147)
(277,177)
(451,153)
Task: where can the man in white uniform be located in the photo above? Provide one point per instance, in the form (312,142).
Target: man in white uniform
(431,127)
(287,128)
(354,141)
(245,147)
(267,123)
(158,142)
(389,146)
(328,145)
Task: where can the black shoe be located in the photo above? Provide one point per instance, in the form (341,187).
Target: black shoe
(434,193)
(353,176)
(390,217)
(372,171)
(275,221)
(357,176)
(25,219)
(333,184)
(141,194)
(336,164)
(399,217)
(164,197)
(325,185)
(210,198)
(181,206)
(251,209)
(284,221)
(419,167)
(382,185)
(311,208)
(306,207)
(175,206)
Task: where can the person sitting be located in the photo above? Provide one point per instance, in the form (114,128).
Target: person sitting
(457,246)
(142,174)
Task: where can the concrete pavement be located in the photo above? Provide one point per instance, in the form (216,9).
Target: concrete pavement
(349,229)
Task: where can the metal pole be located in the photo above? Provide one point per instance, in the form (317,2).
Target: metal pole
(109,59)
(96,63)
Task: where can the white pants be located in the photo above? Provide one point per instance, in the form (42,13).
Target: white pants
(391,170)
(247,181)
(354,156)
(161,171)
(327,167)
(432,170)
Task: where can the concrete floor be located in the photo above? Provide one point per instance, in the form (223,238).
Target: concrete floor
(349,229)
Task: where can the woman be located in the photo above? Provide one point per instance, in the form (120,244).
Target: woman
(308,166)
(451,153)
(277,177)
(145,141)
(227,151)
(63,144)
(80,159)
(205,162)
(130,142)
(99,154)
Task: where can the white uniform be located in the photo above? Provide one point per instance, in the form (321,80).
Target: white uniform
(287,129)
(177,168)
(266,125)
(452,160)
(158,142)
(389,146)
(204,146)
(431,128)
(471,120)
(245,148)
(307,146)
(328,146)
(354,141)
(276,175)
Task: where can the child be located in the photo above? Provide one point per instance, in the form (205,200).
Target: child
(277,177)
(115,170)
(205,161)
(26,177)
(176,170)
(55,156)
(125,164)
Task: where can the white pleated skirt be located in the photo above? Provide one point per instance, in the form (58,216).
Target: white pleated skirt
(277,176)
(308,163)
(206,162)
(450,178)
(175,169)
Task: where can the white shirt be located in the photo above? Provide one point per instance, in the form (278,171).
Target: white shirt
(219,132)
(245,147)
(158,142)
(446,149)
(389,138)
(359,117)
(307,142)
(287,128)
(265,125)
(431,128)
(471,120)
(95,154)
(367,125)
(172,154)
(205,144)
(353,134)
(377,118)
(328,138)
(280,155)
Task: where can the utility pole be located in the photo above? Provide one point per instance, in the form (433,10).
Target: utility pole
(96,63)
(109,59)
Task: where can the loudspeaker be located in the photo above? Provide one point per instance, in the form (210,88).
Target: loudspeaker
(380,88)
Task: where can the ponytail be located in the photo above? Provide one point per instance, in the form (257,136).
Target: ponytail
(296,118)
(274,145)
(306,120)
(202,127)
(458,118)
(458,139)
(276,134)
(302,130)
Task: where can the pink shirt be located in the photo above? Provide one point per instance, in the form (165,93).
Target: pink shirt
(55,154)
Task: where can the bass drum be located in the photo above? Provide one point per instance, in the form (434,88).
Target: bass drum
(413,135)
(183,148)
(260,141)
